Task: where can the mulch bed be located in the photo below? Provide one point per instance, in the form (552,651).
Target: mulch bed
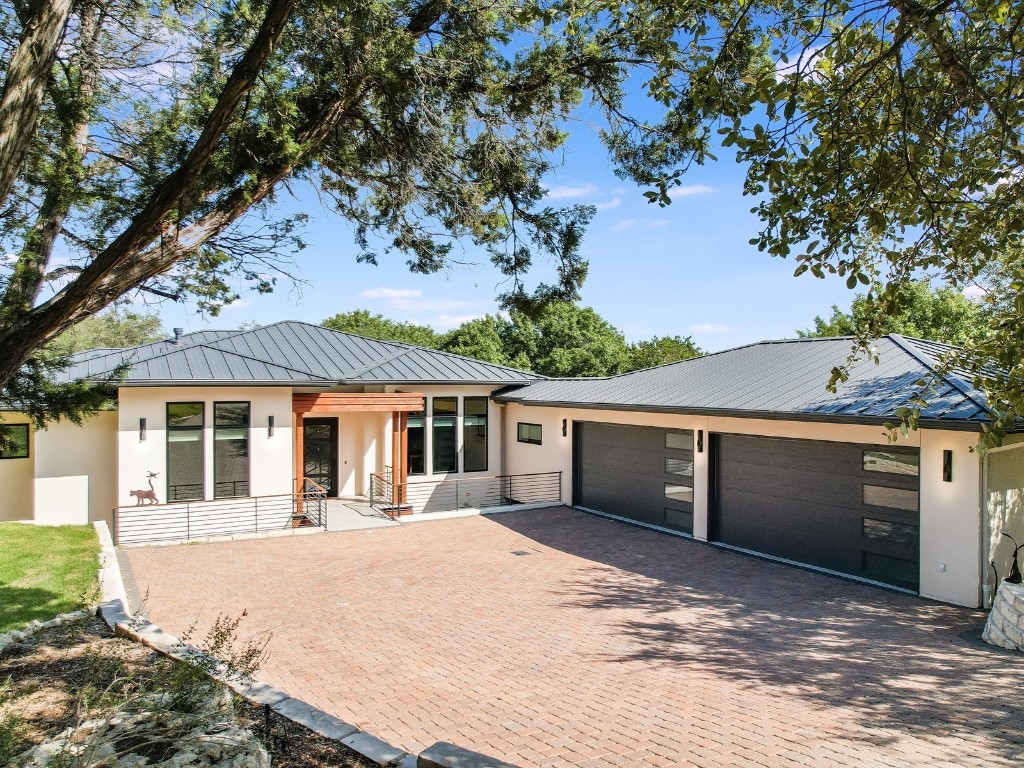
(45,681)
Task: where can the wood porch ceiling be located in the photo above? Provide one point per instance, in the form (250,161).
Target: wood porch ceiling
(349,402)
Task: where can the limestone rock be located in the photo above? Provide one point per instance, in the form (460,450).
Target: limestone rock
(1005,625)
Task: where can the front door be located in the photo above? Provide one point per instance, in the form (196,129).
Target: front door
(320,452)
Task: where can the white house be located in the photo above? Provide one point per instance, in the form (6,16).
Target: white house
(242,430)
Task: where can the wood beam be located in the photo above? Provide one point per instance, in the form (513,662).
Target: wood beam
(404,433)
(350,402)
(300,464)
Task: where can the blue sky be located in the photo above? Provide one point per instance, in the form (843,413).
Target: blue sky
(686,269)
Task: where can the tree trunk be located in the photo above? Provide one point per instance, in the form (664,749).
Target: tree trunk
(25,85)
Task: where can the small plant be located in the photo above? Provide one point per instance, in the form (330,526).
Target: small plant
(12,729)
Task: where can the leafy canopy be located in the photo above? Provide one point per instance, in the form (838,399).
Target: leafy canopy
(942,314)
(563,339)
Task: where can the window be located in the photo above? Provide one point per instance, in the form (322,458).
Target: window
(416,439)
(474,434)
(680,441)
(887,530)
(896,498)
(890,569)
(529,433)
(679,467)
(892,462)
(230,450)
(185,423)
(678,492)
(445,451)
(13,441)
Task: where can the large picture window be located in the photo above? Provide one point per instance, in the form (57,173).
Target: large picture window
(474,434)
(13,441)
(230,450)
(185,423)
(445,450)
(416,439)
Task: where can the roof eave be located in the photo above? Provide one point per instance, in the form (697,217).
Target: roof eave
(823,417)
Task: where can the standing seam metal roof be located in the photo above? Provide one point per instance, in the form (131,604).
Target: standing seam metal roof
(778,378)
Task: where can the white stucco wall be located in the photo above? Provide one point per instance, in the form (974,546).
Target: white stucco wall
(1004,509)
(950,512)
(271,468)
(16,493)
(72,458)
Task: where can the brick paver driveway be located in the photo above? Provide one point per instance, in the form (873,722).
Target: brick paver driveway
(557,638)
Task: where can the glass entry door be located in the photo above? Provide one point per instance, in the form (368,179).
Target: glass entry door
(320,452)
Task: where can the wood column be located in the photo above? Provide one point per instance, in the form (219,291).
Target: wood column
(300,465)
(396,456)
(405,456)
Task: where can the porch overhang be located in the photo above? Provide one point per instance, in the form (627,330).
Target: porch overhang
(356,402)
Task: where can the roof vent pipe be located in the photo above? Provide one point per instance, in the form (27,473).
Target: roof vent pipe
(177,335)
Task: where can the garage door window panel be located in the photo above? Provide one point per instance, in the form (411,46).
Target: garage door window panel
(679,440)
(680,467)
(892,570)
(892,462)
(895,498)
(678,492)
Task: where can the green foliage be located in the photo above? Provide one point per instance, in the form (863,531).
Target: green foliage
(116,327)
(942,314)
(45,571)
(567,340)
(12,728)
(660,351)
(362,323)
(482,339)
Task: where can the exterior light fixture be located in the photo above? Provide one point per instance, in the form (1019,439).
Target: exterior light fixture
(565,427)
(700,441)
(947,466)
(142,430)
(270,426)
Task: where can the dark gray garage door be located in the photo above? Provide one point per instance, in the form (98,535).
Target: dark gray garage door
(642,473)
(846,507)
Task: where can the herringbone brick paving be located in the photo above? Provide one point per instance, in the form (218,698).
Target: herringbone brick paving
(604,645)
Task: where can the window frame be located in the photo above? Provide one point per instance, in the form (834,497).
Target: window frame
(486,417)
(455,435)
(422,415)
(527,440)
(202,446)
(248,445)
(28,441)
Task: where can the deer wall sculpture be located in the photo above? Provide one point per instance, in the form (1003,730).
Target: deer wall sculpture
(145,495)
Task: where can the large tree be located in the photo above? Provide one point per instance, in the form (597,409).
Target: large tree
(362,323)
(116,327)
(942,314)
(142,144)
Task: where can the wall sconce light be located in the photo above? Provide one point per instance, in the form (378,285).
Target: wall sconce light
(947,466)
(142,430)
(565,427)
(270,426)
(700,441)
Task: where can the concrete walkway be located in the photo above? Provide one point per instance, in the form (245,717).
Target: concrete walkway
(355,514)
(555,638)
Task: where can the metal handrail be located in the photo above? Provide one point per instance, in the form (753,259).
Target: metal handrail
(486,491)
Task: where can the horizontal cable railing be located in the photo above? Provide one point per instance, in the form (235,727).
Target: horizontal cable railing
(462,493)
(184,520)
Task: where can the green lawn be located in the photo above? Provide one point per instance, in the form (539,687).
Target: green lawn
(45,571)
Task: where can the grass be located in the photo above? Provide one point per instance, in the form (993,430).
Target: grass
(45,571)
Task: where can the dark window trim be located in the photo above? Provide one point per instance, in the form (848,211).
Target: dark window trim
(28,441)
(202,444)
(455,433)
(248,445)
(528,441)
(426,450)
(487,437)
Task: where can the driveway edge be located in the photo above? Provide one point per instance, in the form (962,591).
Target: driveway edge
(113,609)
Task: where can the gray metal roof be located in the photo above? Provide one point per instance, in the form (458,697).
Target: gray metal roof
(287,353)
(777,379)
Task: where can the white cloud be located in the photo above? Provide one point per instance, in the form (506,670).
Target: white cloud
(563,191)
(710,328)
(625,224)
(10,258)
(974,292)
(690,190)
(391,293)
(237,304)
(452,321)
(431,305)
(615,202)
(804,64)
